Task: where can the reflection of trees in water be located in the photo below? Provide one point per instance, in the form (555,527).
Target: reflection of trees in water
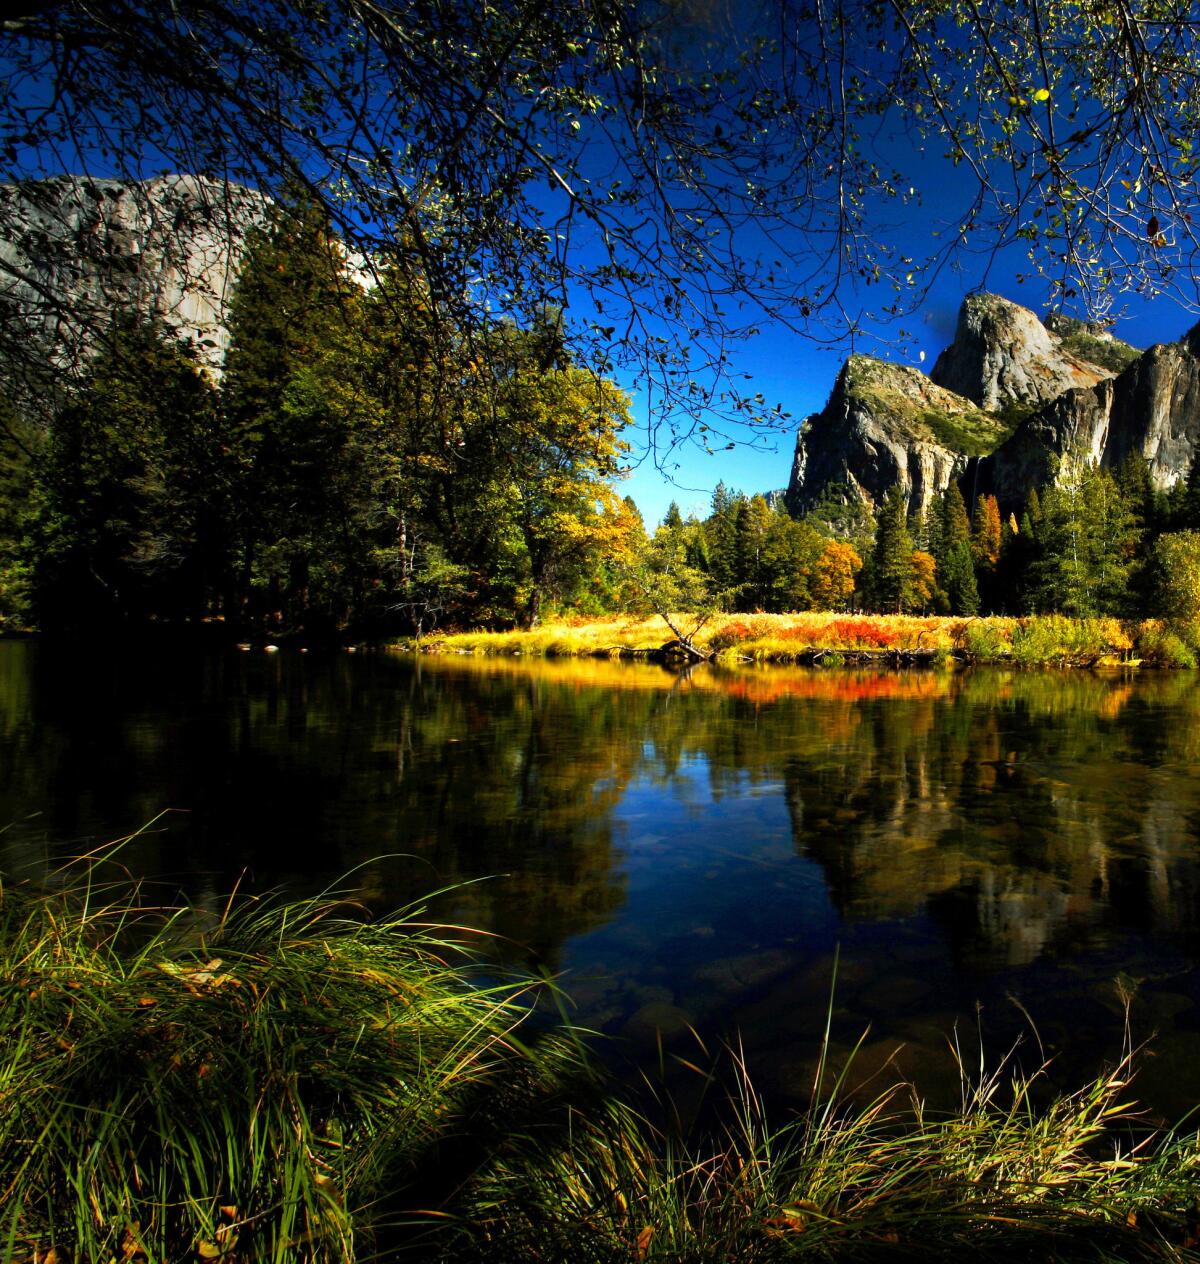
(302,769)
(1018,809)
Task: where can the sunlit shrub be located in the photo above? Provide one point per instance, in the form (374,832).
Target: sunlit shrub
(1113,635)
(1038,641)
(1055,638)
(1158,646)
(871,633)
(985,641)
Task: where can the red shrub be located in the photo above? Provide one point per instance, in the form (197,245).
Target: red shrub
(864,632)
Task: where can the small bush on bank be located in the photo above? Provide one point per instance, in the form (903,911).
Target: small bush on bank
(1159,646)
(984,641)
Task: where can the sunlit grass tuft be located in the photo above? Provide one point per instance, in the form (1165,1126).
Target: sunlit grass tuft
(288,1083)
(246,1090)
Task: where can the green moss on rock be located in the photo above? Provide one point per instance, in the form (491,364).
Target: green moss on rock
(921,411)
(1084,342)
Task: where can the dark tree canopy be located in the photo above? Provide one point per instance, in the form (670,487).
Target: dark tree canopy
(669,173)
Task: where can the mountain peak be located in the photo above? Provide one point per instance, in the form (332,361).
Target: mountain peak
(1003,357)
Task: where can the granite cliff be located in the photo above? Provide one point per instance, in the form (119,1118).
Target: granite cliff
(1150,410)
(886,424)
(1005,401)
(1004,359)
(74,251)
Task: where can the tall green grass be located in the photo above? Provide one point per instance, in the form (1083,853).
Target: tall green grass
(288,1082)
(255,1089)
(1004,1178)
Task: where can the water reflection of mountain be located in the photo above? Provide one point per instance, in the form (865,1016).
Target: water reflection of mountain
(1022,812)
(1019,811)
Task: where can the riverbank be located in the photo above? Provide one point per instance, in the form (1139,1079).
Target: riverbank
(286,1082)
(834,639)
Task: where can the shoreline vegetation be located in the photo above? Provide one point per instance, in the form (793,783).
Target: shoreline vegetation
(831,640)
(279,1081)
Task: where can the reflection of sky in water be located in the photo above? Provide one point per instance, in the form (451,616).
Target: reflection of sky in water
(694,866)
(690,851)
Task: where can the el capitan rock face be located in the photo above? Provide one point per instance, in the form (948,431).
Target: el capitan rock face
(75,251)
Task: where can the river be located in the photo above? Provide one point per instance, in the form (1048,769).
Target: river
(969,858)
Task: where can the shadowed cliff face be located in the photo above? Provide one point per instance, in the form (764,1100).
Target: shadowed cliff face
(1152,410)
(168,248)
(887,424)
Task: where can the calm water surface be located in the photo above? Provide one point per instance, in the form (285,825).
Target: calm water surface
(979,849)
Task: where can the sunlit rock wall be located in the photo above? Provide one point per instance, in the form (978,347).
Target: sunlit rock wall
(76,251)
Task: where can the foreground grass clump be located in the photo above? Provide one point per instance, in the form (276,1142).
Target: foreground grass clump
(254,1091)
(282,1084)
(1003,1179)
(831,638)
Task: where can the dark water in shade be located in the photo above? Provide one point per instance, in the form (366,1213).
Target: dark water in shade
(976,847)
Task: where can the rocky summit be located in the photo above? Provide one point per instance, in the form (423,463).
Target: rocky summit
(1150,410)
(1004,359)
(886,424)
(1013,403)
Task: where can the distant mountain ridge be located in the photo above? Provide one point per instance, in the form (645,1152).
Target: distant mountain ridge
(1013,403)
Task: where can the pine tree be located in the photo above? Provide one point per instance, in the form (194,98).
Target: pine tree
(292,301)
(891,560)
(1088,538)
(955,567)
(956,525)
(752,521)
(1031,518)
(935,529)
(20,447)
(1137,487)
(1187,516)
(957,576)
(790,558)
(720,532)
(985,532)
(133,503)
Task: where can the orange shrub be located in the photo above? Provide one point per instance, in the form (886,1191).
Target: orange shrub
(733,633)
(864,632)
